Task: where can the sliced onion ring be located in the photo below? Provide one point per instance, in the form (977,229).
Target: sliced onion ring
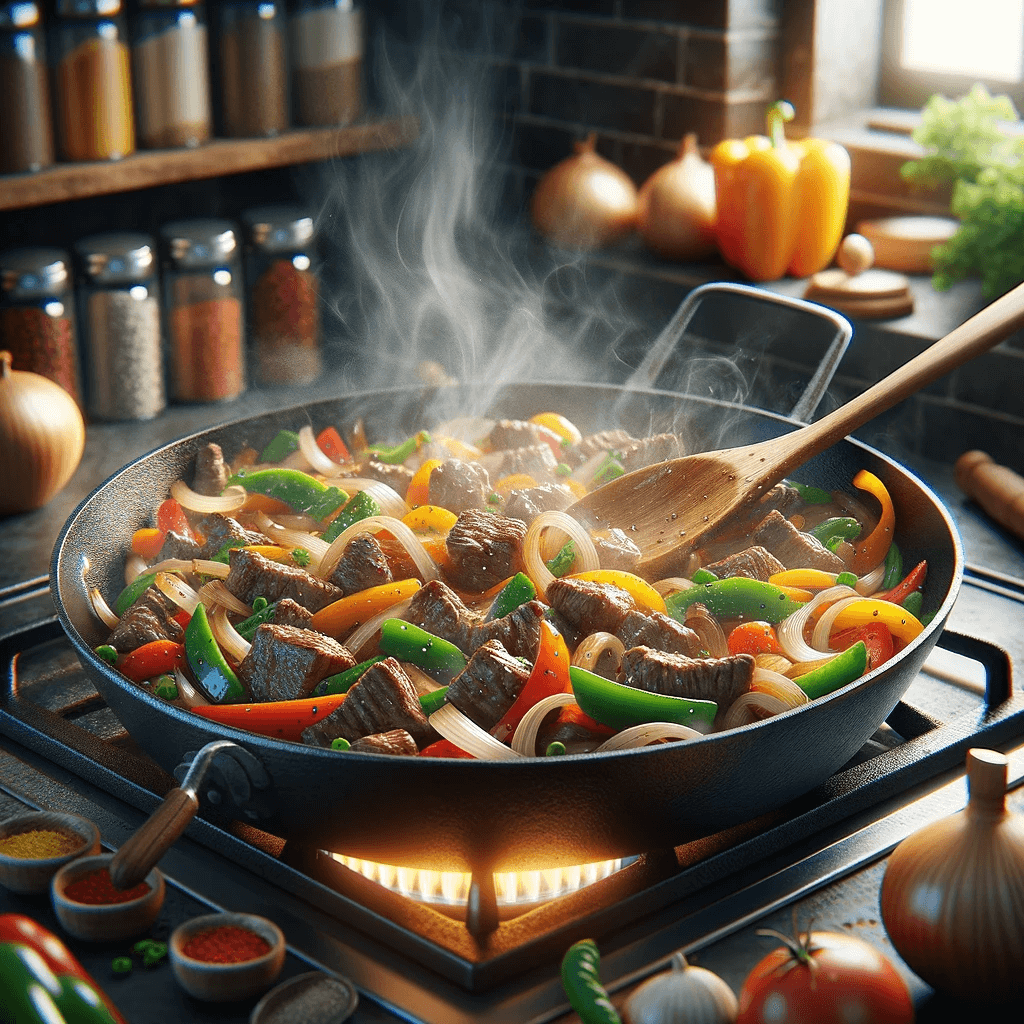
(457,728)
(134,567)
(317,458)
(287,538)
(591,647)
(177,590)
(775,684)
(823,627)
(791,630)
(361,636)
(524,740)
(187,693)
(425,565)
(533,561)
(641,735)
(752,706)
(215,593)
(672,585)
(231,642)
(232,499)
(103,610)
(871,582)
(390,501)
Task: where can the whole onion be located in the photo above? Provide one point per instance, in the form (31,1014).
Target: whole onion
(584,202)
(678,210)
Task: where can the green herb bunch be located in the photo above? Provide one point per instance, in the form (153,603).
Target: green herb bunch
(967,143)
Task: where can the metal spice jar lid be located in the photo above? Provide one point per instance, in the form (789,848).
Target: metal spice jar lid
(20,15)
(88,8)
(117,257)
(200,243)
(35,273)
(278,228)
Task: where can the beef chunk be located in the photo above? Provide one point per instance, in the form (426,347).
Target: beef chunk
(286,662)
(537,461)
(650,450)
(215,531)
(755,563)
(288,613)
(519,631)
(528,502)
(796,550)
(489,684)
(718,679)
(396,477)
(211,475)
(659,631)
(615,549)
(253,576)
(149,618)
(363,565)
(384,698)
(436,608)
(603,441)
(484,549)
(590,607)
(514,434)
(396,742)
(457,485)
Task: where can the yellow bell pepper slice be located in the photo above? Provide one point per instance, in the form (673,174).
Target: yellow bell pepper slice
(563,427)
(646,597)
(514,482)
(430,517)
(872,549)
(418,491)
(862,613)
(339,618)
(814,579)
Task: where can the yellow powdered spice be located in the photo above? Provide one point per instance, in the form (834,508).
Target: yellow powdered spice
(39,843)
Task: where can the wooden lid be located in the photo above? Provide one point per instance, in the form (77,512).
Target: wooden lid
(905,243)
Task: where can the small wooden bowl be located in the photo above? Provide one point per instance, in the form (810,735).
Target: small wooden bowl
(221,983)
(104,922)
(327,998)
(30,875)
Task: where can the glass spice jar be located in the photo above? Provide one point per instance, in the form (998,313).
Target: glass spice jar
(202,295)
(327,61)
(119,312)
(93,93)
(25,125)
(253,68)
(37,315)
(170,67)
(284,315)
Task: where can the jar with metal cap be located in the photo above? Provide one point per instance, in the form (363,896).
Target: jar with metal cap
(25,124)
(119,313)
(93,92)
(170,68)
(202,295)
(283,313)
(253,68)
(37,315)
(327,61)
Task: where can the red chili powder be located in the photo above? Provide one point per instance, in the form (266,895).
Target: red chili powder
(227,944)
(96,887)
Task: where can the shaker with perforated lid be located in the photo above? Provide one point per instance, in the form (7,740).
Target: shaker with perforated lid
(119,313)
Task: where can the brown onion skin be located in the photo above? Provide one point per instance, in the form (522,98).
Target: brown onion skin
(42,437)
(569,211)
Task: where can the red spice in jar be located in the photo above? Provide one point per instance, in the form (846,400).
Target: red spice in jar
(226,944)
(97,888)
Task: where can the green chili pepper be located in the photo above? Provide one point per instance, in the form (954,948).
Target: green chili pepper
(121,965)
(407,642)
(133,592)
(838,528)
(583,987)
(704,576)
(809,495)
(847,579)
(400,452)
(620,707)
(609,469)
(842,669)
(555,749)
(342,682)
(893,567)
(152,956)
(296,489)
(224,554)
(562,562)
(208,663)
(737,596)
(164,686)
(142,945)
(247,627)
(361,506)
(286,442)
(563,468)
(431,702)
(340,743)
(516,592)
(913,603)
(108,654)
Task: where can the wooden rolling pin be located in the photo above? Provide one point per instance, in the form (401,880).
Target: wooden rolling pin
(997,489)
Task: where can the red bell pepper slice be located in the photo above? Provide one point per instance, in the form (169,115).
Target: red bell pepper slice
(331,444)
(914,580)
(444,748)
(151,660)
(171,516)
(550,675)
(756,637)
(573,714)
(877,639)
(283,719)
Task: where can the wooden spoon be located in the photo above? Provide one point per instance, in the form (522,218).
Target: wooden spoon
(666,508)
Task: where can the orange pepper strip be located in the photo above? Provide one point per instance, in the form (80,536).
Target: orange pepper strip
(151,660)
(342,616)
(330,443)
(147,542)
(754,638)
(430,517)
(564,428)
(418,491)
(284,719)
(803,579)
(640,590)
(871,550)
(514,482)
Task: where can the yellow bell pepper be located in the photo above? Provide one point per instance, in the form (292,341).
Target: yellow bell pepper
(781,203)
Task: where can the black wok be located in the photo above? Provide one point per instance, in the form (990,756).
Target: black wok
(457,814)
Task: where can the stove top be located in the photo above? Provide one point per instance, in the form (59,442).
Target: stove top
(61,748)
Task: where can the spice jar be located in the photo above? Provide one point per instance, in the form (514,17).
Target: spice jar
(95,119)
(25,125)
(253,68)
(119,311)
(202,296)
(284,317)
(327,61)
(170,66)
(37,315)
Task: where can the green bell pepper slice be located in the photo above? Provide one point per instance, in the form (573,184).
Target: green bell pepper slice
(224,554)
(262,612)
(286,442)
(431,653)
(562,562)
(342,682)
(133,592)
(893,567)
(809,495)
(842,669)
(515,593)
(847,579)
(209,666)
(396,455)
(619,706)
(360,506)
(296,489)
(703,576)
(913,603)
(832,532)
(433,701)
(733,597)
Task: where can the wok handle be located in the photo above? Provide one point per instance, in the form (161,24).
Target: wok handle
(139,855)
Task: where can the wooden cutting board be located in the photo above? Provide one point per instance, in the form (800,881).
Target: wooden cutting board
(858,289)
(904,244)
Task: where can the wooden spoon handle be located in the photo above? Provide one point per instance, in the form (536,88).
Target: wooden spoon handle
(140,853)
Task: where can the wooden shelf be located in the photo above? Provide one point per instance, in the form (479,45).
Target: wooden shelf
(147,168)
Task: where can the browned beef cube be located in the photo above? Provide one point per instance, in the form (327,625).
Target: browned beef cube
(528,503)
(363,565)
(537,461)
(796,550)
(514,434)
(659,631)
(650,450)
(396,477)
(211,475)
(590,607)
(286,662)
(615,549)
(603,441)
(216,531)
(489,684)
(519,631)
(396,742)
(384,698)
(177,545)
(253,576)
(755,563)
(719,679)
(149,618)
(436,608)
(457,485)
(484,549)
(288,613)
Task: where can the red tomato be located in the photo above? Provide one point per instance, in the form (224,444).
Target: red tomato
(876,637)
(827,976)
